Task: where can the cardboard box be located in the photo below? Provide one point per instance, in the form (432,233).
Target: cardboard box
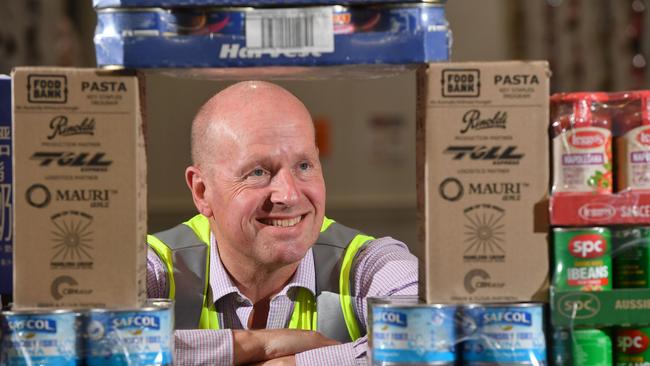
(222,3)
(80,175)
(6,214)
(483,173)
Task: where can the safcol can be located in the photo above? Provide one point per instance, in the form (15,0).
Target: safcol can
(631,257)
(583,259)
(40,338)
(632,346)
(504,334)
(130,337)
(406,332)
(591,347)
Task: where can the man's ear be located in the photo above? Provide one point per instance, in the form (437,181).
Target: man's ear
(196,183)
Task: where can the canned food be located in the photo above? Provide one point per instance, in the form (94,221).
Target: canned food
(631,257)
(403,331)
(632,346)
(583,259)
(504,334)
(130,337)
(591,347)
(40,338)
(561,350)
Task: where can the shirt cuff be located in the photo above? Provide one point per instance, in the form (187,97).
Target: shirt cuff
(346,354)
(203,347)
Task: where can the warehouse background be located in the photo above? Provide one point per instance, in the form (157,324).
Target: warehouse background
(367,125)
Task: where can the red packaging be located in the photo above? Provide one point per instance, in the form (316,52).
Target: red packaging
(632,126)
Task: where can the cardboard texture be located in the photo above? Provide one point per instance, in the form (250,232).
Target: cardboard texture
(80,175)
(483,173)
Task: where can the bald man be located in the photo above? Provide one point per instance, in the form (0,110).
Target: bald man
(260,275)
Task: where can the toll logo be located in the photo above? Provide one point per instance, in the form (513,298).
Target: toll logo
(588,246)
(47,88)
(508,317)
(391,318)
(137,321)
(632,341)
(35,325)
(85,160)
(461,83)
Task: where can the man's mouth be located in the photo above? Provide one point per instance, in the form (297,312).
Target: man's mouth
(282,222)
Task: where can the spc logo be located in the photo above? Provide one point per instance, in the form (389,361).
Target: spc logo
(461,83)
(581,305)
(596,211)
(392,318)
(587,246)
(587,139)
(644,136)
(508,317)
(631,341)
(137,321)
(47,88)
(36,325)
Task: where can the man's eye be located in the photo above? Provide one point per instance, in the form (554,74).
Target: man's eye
(304,166)
(257,173)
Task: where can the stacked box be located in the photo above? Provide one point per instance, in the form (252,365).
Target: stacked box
(80,173)
(6,213)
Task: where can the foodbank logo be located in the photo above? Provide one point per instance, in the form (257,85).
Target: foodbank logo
(579,305)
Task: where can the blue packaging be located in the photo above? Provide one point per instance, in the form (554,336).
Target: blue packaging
(504,334)
(196,3)
(192,38)
(6,215)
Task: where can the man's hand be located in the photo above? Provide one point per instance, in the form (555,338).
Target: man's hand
(268,344)
(282,361)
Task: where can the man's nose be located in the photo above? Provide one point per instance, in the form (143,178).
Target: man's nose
(284,189)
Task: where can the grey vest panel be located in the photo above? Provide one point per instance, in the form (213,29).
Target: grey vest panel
(190,258)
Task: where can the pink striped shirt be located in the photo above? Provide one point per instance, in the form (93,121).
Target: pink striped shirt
(383,267)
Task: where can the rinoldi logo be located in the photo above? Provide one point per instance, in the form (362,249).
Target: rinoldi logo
(644,136)
(587,246)
(587,139)
(631,341)
(596,211)
(578,305)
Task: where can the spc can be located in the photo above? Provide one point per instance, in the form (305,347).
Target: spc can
(631,257)
(40,338)
(504,334)
(583,259)
(591,347)
(130,337)
(632,346)
(406,332)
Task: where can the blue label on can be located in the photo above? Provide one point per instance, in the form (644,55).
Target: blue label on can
(504,334)
(40,339)
(413,334)
(129,337)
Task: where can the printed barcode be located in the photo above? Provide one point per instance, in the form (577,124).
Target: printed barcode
(290,30)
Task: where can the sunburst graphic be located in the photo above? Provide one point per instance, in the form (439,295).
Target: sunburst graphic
(484,233)
(72,235)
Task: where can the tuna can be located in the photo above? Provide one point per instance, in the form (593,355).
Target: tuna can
(583,259)
(130,337)
(40,338)
(631,257)
(591,347)
(632,346)
(504,334)
(406,332)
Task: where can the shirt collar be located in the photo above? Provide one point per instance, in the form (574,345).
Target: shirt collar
(221,284)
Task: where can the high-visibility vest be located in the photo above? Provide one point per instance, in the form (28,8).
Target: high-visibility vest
(185,251)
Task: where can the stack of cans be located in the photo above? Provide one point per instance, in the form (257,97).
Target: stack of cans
(403,331)
(95,337)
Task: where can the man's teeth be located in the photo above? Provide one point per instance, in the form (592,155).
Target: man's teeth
(283,222)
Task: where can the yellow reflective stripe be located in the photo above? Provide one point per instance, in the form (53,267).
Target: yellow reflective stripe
(201,227)
(165,254)
(344,285)
(304,314)
(209,319)
(326,223)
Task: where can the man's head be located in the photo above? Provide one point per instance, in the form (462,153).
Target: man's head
(256,173)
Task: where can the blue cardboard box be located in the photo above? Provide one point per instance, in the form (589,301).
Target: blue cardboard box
(315,36)
(185,3)
(6,214)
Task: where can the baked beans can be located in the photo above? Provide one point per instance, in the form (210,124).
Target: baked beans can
(632,126)
(591,347)
(504,334)
(583,259)
(632,346)
(582,143)
(40,338)
(561,347)
(631,257)
(406,332)
(130,337)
